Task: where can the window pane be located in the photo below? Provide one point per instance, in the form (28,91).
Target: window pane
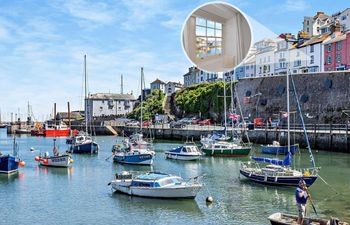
(201,41)
(218,42)
(200,21)
(210,32)
(218,33)
(212,51)
(218,50)
(218,26)
(210,24)
(211,42)
(200,31)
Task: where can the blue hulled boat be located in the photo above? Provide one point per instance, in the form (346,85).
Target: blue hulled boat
(83,143)
(133,150)
(274,171)
(277,149)
(8,164)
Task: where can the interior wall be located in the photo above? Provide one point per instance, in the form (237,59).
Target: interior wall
(230,38)
(189,38)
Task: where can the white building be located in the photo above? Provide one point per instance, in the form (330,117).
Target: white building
(317,24)
(196,76)
(158,85)
(108,104)
(264,61)
(314,50)
(344,19)
(284,43)
(172,87)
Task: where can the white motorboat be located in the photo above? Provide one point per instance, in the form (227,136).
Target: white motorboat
(155,185)
(57,160)
(189,151)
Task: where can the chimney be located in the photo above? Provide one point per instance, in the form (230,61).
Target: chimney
(336,29)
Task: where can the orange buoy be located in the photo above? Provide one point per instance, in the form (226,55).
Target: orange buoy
(45,161)
(37,158)
(22,163)
(71,160)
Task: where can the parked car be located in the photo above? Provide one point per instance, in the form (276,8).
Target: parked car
(246,124)
(195,120)
(133,123)
(177,124)
(146,123)
(259,122)
(205,122)
(275,123)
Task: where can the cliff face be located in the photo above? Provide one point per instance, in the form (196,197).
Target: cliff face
(322,96)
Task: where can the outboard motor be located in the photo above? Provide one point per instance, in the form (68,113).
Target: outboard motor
(334,221)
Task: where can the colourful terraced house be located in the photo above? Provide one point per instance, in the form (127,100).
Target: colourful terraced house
(337,51)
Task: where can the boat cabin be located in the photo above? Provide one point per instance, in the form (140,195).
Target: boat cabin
(156,180)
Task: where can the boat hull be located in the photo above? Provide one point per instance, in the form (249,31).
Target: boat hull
(179,192)
(227,152)
(279,181)
(137,159)
(185,157)
(283,150)
(286,219)
(85,148)
(8,164)
(56,161)
(54,133)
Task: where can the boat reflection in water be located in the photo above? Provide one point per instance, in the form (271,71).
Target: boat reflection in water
(149,204)
(54,171)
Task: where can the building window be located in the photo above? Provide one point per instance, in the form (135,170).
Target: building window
(339,45)
(307,29)
(297,63)
(312,58)
(329,59)
(329,47)
(338,57)
(208,38)
(307,23)
(312,48)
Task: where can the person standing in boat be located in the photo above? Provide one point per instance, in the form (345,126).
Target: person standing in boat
(301,199)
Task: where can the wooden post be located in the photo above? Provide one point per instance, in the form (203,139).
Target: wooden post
(315,136)
(347,136)
(331,137)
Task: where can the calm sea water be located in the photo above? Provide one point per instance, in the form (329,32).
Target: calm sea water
(80,195)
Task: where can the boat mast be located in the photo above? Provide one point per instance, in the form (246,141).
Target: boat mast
(85,82)
(288,116)
(141,95)
(231,92)
(225,116)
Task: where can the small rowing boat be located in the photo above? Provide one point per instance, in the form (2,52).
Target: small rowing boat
(286,219)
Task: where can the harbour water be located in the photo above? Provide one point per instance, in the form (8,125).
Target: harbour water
(80,195)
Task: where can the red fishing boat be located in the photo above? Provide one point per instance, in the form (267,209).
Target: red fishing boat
(60,130)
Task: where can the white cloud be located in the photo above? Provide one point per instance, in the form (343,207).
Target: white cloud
(296,5)
(89,11)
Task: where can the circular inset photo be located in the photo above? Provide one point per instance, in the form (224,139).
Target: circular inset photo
(216,37)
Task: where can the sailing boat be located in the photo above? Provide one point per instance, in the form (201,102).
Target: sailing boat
(279,172)
(135,150)
(57,160)
(83,142)
(9,163)
(224,148)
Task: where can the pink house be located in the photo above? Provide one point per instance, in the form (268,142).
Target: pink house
(337,52)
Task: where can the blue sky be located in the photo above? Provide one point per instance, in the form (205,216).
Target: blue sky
(42,44)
